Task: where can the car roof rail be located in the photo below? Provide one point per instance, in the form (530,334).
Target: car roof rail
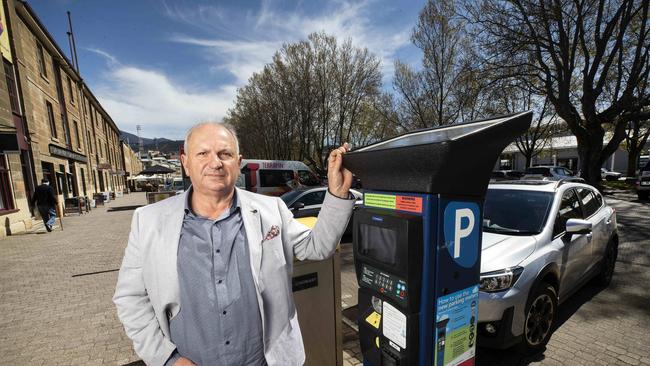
(569,180)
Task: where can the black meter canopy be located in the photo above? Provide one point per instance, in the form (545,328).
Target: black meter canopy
(454,159)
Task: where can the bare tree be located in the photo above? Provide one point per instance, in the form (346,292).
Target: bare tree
(314,95)
(448,88)
(587,56)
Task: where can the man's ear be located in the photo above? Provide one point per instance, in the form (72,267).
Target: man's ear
(184,162)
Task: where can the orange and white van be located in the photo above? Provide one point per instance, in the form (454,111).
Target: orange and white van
(275,177)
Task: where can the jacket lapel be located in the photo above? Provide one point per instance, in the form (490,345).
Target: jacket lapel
(253,227)
(171,228)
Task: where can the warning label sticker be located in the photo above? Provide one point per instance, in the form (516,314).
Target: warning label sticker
(409,203)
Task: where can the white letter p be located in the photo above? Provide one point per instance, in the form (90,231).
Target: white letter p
(460,232)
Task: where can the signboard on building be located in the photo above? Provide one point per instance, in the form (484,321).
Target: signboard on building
(59,151)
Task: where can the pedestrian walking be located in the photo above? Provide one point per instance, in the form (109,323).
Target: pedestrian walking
(45,200)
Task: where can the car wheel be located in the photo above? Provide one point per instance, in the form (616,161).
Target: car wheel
(541,314)
(609,263)
(643,195)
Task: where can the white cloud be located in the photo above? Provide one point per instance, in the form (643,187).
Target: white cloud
(248,51)
(136,96)
(235,45)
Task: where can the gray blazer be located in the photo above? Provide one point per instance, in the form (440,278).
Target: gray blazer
(147,291)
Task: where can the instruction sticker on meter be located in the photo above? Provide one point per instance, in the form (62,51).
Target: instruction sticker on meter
(394,324)
(393,202)
(461,230)
(456,320)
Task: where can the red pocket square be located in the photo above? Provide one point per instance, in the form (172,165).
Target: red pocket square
(273,232)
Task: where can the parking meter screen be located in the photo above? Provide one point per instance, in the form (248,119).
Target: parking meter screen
(378,243)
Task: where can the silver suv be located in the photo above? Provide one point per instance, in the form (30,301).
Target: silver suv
(542,240)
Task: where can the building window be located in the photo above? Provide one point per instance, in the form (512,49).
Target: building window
(41,60)
(11,87)
(66,131)
(70,90)
(6,198)
(50,117)
(83,181)
(90,145)
(76,132)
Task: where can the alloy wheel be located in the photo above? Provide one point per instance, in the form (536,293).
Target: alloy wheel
(539,320)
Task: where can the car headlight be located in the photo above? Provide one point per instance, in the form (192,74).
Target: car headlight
(500,280)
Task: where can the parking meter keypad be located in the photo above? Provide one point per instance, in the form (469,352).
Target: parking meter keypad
(386,284)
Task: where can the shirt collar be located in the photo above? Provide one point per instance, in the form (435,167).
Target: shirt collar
(234,205)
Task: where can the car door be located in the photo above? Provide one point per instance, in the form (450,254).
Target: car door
(593,212)
(576,248)
(313,200)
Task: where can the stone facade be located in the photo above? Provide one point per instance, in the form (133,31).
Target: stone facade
(68,136)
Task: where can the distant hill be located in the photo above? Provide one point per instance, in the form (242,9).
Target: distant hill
(161,144)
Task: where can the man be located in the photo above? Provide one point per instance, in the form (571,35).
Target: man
(206,275)
(45,200)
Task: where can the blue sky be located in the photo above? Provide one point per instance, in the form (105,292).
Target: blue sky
(168,64)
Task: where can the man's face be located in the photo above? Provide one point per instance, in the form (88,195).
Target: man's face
(211,160)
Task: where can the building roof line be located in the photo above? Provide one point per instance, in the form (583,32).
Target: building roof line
(29,12)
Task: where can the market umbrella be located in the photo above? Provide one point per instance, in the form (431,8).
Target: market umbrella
(156,169)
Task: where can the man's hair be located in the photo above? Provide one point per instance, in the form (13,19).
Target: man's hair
(226,126)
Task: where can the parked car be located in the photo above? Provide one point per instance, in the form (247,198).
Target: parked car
(498,175)
(308,202)
(542,241)
(609,174)
(643,184)
(548,172)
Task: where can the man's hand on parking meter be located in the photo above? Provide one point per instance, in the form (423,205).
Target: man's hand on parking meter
(339,179)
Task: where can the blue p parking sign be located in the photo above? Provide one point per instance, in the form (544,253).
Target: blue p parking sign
(461,230)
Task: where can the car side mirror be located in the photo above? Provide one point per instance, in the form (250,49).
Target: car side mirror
(578,226)
(298,205)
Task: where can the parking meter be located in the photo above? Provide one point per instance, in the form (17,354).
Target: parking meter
(417,240)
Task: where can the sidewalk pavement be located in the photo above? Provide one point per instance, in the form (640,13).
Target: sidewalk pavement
(56,290)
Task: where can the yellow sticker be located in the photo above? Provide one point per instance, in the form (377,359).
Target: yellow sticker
(374,319)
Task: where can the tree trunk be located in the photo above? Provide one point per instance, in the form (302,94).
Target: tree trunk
(632,159)
(590,157)
(529,159)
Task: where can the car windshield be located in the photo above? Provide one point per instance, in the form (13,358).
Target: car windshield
(290,196)
(515,212)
